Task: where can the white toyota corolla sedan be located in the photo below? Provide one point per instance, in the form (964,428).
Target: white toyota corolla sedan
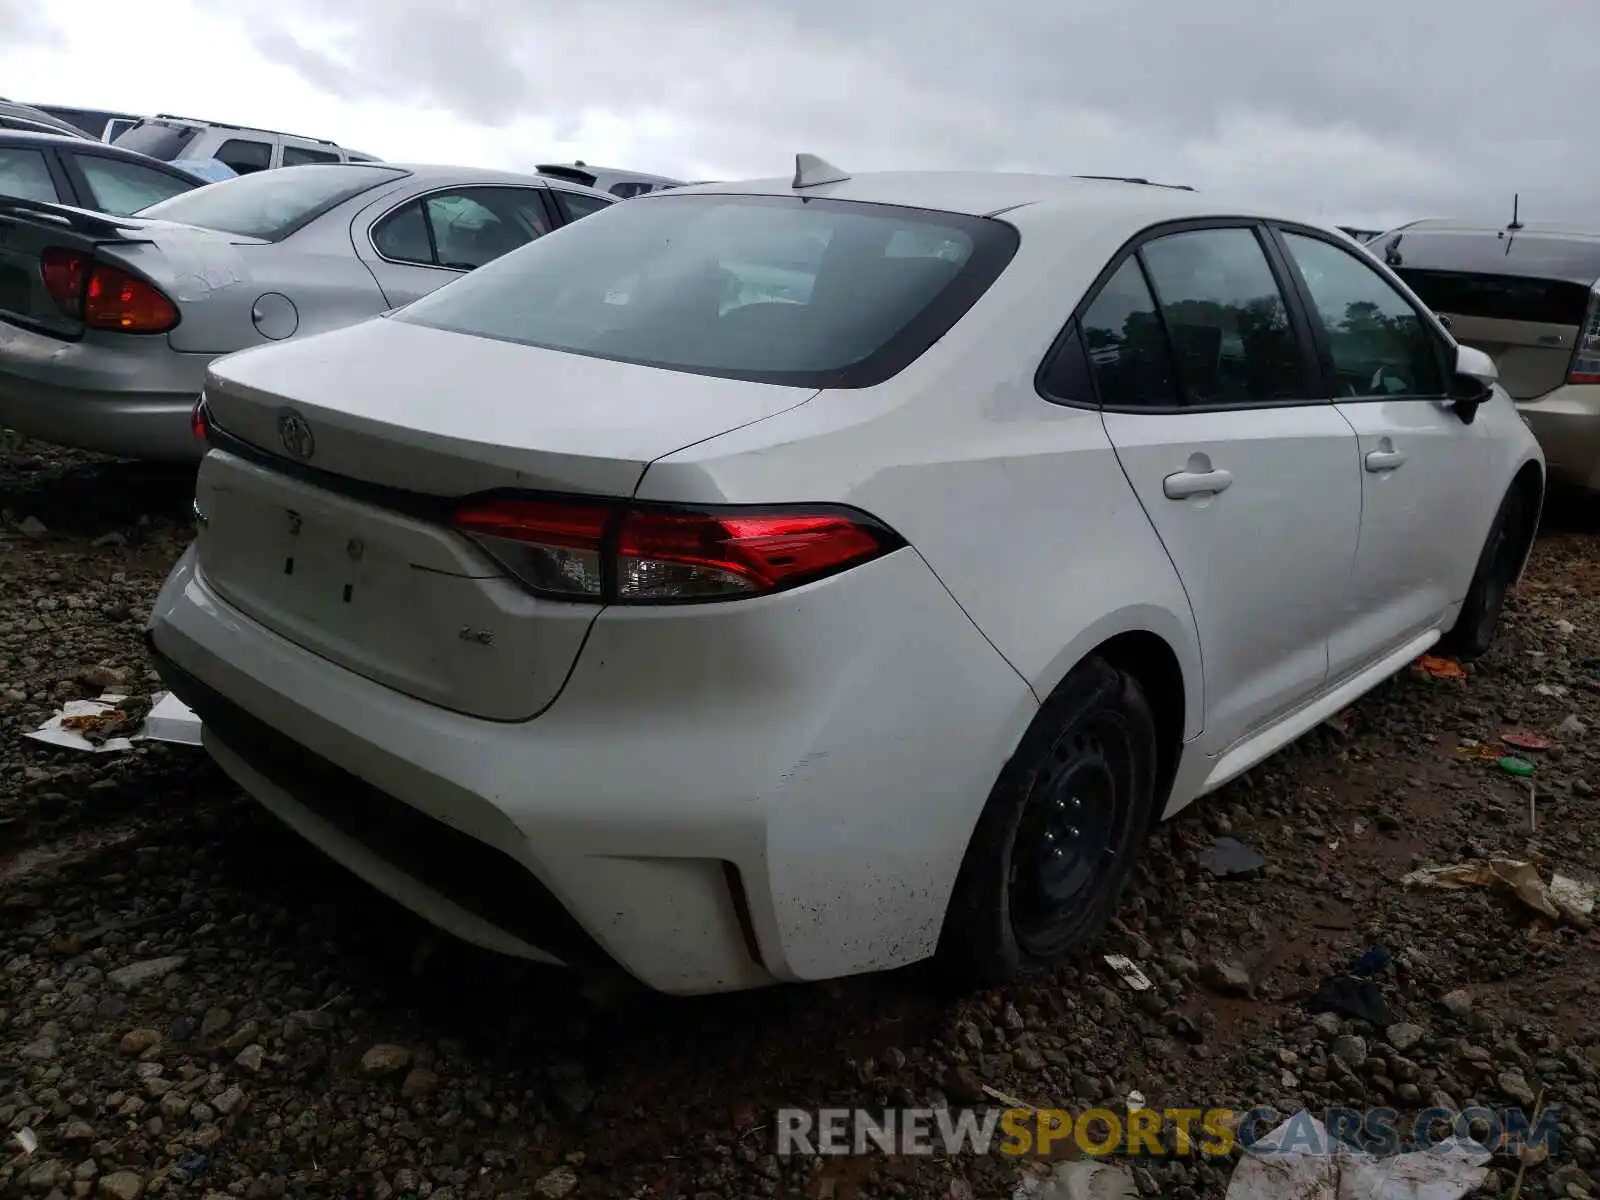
(786,579)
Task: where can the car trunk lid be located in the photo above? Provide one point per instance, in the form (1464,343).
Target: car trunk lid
(326,497)
(405,406)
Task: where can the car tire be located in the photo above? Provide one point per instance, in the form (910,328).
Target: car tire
(1473,633)
(1057,839)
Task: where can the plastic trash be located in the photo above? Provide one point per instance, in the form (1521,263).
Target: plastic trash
(1441,668)
(1081,1179)
(1128,972)
(1526,741)
(1519,879)
(114,722)
(1299,1160)
(1511,764)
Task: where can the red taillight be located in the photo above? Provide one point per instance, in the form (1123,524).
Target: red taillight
(102,296)
(64,272)
(1585,366)
(119,301)
(650,555)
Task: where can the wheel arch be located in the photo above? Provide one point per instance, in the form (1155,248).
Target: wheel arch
(1530,481)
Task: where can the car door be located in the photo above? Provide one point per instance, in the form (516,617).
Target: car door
(1423,508)
(428,240)
(1209,395)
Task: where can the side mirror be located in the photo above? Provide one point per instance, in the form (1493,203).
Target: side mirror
(1474,381)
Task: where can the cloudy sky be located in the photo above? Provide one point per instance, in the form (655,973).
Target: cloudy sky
(1361,111)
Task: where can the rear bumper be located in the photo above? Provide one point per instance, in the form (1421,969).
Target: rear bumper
(1567,424)
(131,399)
(774,789)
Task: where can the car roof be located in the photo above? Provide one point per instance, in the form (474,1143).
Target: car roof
(589,168)
(990,193)
(86,144)
(27,112)
(1535,250)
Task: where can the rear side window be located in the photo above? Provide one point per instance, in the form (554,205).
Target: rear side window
(1379,343)
(25,175)
(575,204)
(1226,320)
(159,139)
(121,188)
(245,155)
(1126,345)
(272,204)
(293,156)
(812,293)
(1500,297)
(464,229)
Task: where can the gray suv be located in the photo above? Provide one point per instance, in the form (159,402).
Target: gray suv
(244,149)
(1527,295)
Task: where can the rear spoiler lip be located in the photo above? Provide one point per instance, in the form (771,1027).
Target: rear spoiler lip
(79,220)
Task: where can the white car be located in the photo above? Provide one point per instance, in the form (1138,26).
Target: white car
(603,618)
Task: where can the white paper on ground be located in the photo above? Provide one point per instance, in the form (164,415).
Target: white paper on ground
(170,720)
(1331,1170)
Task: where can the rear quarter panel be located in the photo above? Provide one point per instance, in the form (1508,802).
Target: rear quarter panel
(315,268)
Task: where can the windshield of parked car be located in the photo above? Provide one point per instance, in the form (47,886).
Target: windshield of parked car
(778,289)
(271,204)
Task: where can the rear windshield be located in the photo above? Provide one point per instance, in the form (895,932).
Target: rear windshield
(1499,297)
(159,139)
(776,289)
(271,204)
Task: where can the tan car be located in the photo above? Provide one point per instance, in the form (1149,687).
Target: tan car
(1527,296)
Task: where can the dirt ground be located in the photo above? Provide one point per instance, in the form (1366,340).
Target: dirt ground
(305,1037)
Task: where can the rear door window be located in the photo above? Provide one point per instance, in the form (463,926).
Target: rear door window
(165,140)
(464,229)
(121,188)
(245,155)
(1226,319)
(575,204)
(26,175)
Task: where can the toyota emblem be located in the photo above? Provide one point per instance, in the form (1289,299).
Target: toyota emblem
(295,434)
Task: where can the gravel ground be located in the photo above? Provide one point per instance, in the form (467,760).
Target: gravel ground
(194,1003)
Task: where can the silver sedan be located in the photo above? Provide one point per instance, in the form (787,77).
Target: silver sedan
(107,324)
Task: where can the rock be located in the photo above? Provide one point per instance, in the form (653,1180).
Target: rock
(136,975)
(1404,1036)
(214,1022)
(136,1041)
(1350,1049)
(78,1130)
(1458,1002)
(229,1101)
(1328,1024)
(1515,1087)
(563,1181)
(1226,978)
(251,1058)
(384,1059)
(121,1185)
(418,1082)
(39,1050)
